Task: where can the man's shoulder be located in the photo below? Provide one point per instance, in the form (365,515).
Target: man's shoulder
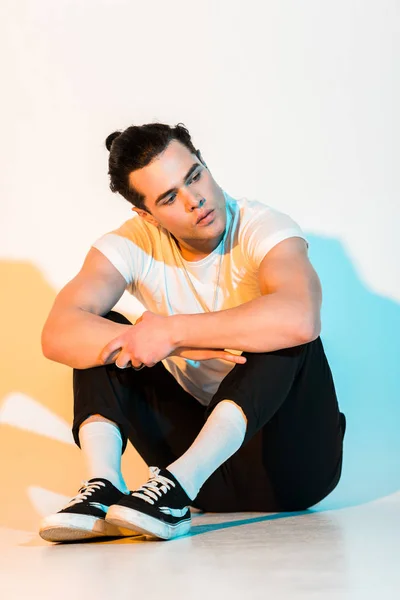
(133,236)
(134,230)
(256,220)
(248,212)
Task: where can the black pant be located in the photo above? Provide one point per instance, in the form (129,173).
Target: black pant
(291,457)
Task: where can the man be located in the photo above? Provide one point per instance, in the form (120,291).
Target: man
(222,385)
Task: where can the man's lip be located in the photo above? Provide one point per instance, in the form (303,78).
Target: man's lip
(204,216)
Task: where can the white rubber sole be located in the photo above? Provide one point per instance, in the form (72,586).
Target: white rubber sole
(125,517)
(69,527)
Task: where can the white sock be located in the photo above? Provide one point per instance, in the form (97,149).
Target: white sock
(101,444)
(221,436)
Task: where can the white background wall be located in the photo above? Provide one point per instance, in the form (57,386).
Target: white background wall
(291,103)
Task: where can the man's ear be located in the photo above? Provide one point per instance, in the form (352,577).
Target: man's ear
(146,216)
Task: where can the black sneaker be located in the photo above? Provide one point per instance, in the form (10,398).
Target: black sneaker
(160,508)
(84,515)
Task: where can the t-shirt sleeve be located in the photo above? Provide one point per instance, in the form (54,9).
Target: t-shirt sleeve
(264,227)
(128,248)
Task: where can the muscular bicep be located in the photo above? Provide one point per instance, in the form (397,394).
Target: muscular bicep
(96,288)
(287,270)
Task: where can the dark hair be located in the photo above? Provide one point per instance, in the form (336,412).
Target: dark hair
(135,148)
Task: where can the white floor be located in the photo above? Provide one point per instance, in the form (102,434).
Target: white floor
(352,553)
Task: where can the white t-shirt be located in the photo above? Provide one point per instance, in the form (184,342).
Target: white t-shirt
(148,259)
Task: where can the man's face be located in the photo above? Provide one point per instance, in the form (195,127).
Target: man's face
(178,190)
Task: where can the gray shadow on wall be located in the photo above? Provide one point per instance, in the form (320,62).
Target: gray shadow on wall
(361,336)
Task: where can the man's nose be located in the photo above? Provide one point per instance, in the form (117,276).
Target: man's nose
(193,200)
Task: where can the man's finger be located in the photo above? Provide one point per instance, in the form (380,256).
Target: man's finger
(110,350)
(122,366)
(236,358)
(225,355)
(204,354)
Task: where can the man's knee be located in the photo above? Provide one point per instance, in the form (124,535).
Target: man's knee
(97,418)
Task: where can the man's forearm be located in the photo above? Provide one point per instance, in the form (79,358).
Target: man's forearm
(75,337)
(265,324)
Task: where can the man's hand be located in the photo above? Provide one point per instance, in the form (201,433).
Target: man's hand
(145,343)
(151,340)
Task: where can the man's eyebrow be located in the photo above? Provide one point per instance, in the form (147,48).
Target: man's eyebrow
(188,174)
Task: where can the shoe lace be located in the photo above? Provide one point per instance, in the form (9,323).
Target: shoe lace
(154,488)
(85,492)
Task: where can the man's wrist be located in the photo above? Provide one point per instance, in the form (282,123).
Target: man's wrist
(177,330)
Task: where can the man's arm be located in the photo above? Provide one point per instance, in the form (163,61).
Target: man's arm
(286,315)
(75,332)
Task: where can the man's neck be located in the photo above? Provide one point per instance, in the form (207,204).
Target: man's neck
(193,254)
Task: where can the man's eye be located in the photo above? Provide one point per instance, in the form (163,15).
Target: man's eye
(169,201)
(196,177)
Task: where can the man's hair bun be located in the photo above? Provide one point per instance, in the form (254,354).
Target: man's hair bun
(111,138)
